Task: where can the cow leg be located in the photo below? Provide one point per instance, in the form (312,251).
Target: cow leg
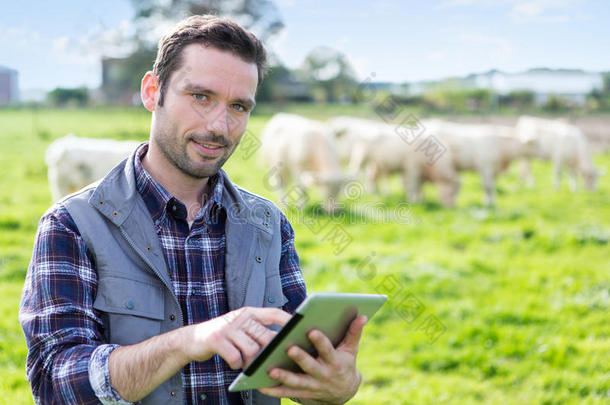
(572,175)
(556,174)
(331,194)
(455,188)
(357,159)
(526,173)
(296,194)
(382,182)
(446,194)
(372,177)
(489,187)
(412,184)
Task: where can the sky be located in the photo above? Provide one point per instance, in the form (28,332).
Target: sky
(60,43)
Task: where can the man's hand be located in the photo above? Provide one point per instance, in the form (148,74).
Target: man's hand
(237,336)
(332,378)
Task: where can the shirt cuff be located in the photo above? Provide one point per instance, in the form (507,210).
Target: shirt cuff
(99,376)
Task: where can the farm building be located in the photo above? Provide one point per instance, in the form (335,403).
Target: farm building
(9,90)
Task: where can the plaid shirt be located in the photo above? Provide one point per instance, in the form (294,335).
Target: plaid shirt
(67,357)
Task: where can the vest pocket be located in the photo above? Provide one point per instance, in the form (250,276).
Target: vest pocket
(133,310)
(274,295)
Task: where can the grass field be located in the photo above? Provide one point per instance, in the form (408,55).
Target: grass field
(504,305)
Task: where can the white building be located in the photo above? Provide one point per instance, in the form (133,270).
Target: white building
(573,85)
(570,84)
(9,90)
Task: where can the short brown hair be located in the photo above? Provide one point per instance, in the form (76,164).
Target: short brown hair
(208,30)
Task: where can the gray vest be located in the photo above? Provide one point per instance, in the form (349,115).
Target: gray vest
(134,292)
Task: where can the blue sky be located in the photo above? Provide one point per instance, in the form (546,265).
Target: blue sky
(59,43)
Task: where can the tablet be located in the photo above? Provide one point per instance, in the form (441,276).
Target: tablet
(330,313)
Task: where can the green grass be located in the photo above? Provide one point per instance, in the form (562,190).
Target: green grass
(520,293)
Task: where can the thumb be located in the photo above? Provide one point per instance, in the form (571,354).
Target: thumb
(352,337)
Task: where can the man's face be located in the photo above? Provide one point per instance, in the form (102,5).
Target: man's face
(205,111)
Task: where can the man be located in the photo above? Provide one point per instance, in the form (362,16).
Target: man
(158,283)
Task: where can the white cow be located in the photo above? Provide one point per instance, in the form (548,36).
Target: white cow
(75,162)
(350,130)
(354,138)
(301,151)
(562,143)
(377,149)
(486,149)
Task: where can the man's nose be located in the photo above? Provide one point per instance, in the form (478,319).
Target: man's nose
(218,120)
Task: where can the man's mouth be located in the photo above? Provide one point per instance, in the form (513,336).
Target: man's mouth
(208,148)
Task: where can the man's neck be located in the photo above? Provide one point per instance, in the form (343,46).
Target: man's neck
(191,191)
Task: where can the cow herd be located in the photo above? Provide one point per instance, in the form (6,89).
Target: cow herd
(331,154)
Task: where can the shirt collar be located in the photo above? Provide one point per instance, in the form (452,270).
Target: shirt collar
(158,200)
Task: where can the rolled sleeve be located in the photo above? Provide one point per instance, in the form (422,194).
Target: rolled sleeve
(99,376)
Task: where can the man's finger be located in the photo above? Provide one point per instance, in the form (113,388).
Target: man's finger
(352,337)
(267,316)
(323,345)
(247,346)
(256,330)
(294,380)
(307,363)
(285,392)
(230,354)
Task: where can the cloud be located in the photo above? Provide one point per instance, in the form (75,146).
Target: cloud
(471,3)
(278,47)
(528,11)
(73,59)
(19,37)
(546,11)
(385,7)
(98,42)
(535,8)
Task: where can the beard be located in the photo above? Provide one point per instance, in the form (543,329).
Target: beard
(176,153)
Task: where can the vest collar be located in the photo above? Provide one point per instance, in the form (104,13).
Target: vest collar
(115,196)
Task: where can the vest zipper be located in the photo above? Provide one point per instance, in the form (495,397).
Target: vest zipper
(245,286)
(133,246)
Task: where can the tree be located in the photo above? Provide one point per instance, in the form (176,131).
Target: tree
(329,74)
(555,103)
(519,99)
(273,88)
(260,16)
(62,97)
(153,17)
(599,99)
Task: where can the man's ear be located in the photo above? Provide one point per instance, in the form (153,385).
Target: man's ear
(150,91)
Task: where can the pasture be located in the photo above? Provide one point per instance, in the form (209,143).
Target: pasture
(502,305)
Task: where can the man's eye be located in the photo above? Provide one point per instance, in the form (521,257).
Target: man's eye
(200,97)
(239,107)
